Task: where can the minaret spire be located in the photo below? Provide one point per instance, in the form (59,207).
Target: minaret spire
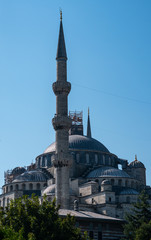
(62,123)
(61,50)
(88,125)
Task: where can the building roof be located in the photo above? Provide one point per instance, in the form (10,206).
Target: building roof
(31,176)
(107,172)
(87,215)
(79,142)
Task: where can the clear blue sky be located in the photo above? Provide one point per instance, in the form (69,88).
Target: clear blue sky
(109,66)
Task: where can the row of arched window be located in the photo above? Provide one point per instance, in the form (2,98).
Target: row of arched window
(23,186)
(106,160)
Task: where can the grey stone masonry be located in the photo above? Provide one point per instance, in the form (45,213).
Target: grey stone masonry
(62,159)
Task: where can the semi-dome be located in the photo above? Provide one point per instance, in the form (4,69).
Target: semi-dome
(50,190)
(31,176)
(79,142)
(107,172)
(136,164)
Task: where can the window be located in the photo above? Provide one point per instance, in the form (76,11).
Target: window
(30,186)
(3,202)
(38,186)
(120,182)
(109,161)
(112,182)
(103,159)
(78,157)
(7,201)
(87,158)
(11,188)
(96,159)
(7,189)
(23,186)
(16,187)
(110,199)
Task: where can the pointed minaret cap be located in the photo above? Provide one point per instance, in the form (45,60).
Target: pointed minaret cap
(61,50)
(135,157)
(88,126)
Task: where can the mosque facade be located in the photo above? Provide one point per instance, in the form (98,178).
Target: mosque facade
(78,170)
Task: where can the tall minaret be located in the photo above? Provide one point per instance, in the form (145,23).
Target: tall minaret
(62,123)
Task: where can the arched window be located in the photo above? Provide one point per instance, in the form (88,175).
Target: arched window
(87,158)
(112,182)
(11,188)
(7,201)
(16,187)
(30,186)
(126,183)
(23,186)
(120,182)
(7,189)
(0,203)
(78,157)
(3,202)
(96,158)
(38,186)
(103,159)
(109,161)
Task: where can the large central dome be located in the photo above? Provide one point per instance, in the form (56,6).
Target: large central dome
(79,142)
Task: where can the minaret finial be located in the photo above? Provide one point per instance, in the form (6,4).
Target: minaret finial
(135,157)
(60,14)
(88,111)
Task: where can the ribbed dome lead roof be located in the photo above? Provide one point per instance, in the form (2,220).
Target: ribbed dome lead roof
(82,143)
(107,172)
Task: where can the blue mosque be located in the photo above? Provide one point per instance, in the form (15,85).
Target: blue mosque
(87,180)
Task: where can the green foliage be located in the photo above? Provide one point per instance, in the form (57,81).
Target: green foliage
(139,219)
(27,219)
(144,231)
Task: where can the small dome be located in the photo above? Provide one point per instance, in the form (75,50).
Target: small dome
(31,176)
(79,142)
(128,191)
(18,170)
(107,172)
(106,182)
(136,164)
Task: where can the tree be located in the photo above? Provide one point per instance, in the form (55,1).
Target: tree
(26,219)
(138,219)
(144,231)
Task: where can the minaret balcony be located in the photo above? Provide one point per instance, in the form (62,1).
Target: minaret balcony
(61,159)
(61,122)
(60,87)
